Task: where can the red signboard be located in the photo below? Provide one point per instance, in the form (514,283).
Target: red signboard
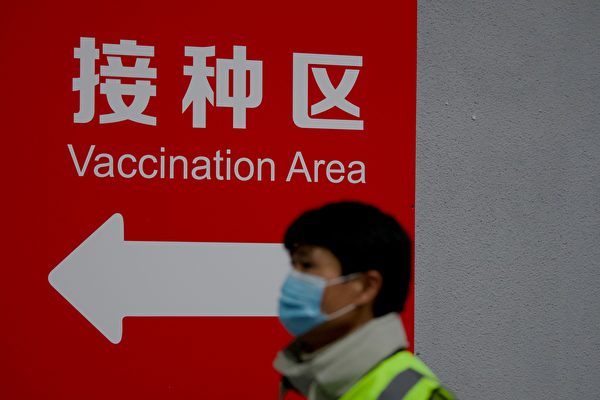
(154,155)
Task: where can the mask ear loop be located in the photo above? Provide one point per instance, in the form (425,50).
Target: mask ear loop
(346,309)
(343,279)
(341,311)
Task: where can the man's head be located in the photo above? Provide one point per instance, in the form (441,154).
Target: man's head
(358,241)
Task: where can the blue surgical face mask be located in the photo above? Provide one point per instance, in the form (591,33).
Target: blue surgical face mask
(300,301)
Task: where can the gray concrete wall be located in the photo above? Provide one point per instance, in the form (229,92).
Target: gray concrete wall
(508,197)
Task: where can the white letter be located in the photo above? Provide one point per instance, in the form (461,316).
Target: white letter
(293,168)
(120,166)
(260,164)
(108,164)
(205,167)
(217,158)
(316,174)
(360,172)
(81,171)
(236,169)
(339,170)
(162,163)
(172,166)
(144,174)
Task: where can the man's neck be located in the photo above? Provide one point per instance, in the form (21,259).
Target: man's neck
(331,331)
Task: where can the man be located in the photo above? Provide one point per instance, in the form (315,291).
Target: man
(350,278)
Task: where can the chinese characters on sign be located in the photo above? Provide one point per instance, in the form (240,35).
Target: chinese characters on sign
(239,85)
(112,87)
(334,97)
(199,90)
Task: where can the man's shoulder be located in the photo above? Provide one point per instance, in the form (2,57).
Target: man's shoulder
(441,393)
(414,380)
(402,375)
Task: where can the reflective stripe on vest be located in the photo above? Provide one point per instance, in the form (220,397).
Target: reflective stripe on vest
(400,385)
(401,376)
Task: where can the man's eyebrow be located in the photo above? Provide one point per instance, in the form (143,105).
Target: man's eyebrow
(297,259)
(300,259)
(302,250)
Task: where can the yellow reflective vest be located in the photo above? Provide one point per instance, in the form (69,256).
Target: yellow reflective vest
(401,376)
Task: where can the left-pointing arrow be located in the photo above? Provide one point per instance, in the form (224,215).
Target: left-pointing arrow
(107,278)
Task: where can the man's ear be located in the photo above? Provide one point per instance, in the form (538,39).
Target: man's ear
(371,285)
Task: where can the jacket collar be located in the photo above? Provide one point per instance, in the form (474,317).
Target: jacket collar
(329,372)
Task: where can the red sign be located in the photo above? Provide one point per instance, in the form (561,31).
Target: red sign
(155,155)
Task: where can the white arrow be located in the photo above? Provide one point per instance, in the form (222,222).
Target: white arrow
(107,278)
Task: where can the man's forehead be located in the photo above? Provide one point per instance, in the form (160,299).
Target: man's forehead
(303,250)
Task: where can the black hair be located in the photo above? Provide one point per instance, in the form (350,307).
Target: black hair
(362,238)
